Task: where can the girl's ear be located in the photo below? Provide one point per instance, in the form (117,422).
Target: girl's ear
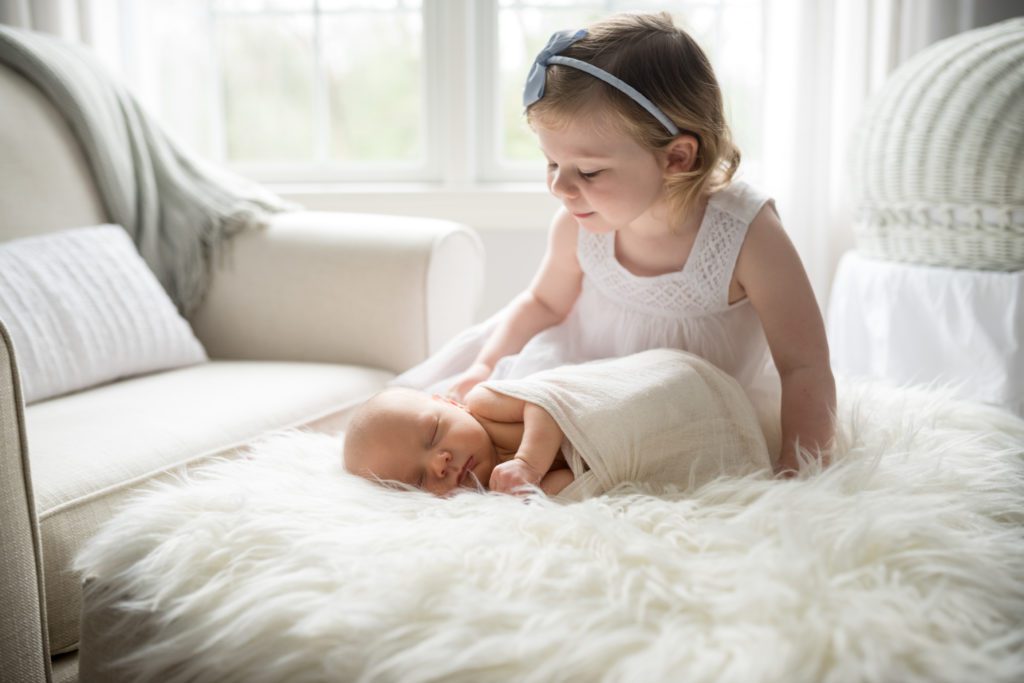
(681,154)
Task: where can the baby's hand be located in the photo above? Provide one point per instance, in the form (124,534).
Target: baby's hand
(476,373)
(512,474)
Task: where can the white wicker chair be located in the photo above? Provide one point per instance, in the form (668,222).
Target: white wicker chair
(938,163)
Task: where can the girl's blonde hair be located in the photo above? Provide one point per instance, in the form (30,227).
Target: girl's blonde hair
(663,62)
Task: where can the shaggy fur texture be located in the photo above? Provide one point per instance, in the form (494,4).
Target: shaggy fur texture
(903,561)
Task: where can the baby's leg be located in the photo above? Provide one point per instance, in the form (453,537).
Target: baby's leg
(556,480)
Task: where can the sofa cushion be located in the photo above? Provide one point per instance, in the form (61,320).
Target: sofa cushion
(83,308)
(90,450)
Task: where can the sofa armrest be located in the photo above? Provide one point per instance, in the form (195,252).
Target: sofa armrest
(381,291)
(25,653)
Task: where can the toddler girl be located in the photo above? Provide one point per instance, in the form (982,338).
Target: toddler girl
(655,245)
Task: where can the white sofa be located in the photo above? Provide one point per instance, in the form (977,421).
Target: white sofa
(302,321)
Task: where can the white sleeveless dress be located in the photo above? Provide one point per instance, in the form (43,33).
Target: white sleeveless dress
(619,313)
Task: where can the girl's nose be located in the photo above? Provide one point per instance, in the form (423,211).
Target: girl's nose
(562,188)
(440,463)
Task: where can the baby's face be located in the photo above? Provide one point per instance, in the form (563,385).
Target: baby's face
(427,441)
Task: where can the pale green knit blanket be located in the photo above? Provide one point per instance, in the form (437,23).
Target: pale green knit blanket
(178,209)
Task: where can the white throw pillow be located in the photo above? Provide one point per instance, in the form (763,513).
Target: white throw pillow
(83,308)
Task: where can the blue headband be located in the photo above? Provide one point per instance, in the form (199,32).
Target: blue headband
(559,41)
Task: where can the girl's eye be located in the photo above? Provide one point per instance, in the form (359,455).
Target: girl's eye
(437,428)
(583,174)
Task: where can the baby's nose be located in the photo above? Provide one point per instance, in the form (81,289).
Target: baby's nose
(441,462)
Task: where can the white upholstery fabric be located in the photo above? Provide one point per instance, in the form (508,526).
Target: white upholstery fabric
(90,450)
(83,308)
(24,652)
(920,324)
(41,162)
(403,284)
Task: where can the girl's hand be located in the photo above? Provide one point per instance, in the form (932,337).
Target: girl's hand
(789,463)
(476,373)
(516,472)
(787,467)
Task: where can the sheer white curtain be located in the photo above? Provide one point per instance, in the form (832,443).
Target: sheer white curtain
(97,23)
(824,59)
(60,17)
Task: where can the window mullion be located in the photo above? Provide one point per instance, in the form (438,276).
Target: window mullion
(321,102)
(432,72)
(485,80)
(464,58)
(216,108)
(448,59)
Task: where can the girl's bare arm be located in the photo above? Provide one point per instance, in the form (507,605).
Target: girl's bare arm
(770,271)
(548,299)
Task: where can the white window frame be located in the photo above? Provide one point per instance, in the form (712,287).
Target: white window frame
(430,169)
(461,112)
(491,167)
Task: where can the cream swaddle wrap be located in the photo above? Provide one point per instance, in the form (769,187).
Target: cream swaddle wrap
(661,417)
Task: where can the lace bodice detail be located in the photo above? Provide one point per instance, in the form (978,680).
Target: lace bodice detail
(701,286)
(618,313)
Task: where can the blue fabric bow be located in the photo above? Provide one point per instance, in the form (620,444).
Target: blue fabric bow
(559,41)
(534,89)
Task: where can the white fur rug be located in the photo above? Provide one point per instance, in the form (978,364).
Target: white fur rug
(903,561)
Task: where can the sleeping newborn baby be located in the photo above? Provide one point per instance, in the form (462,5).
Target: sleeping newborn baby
(662,417)
(439,445)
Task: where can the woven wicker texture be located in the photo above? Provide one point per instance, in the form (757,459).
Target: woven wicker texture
(938,162)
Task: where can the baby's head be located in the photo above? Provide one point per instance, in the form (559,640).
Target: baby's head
(429,442)
(664,65)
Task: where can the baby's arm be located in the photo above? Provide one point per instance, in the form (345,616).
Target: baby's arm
(536,450)
(546,302)
(770,271)
(556,480)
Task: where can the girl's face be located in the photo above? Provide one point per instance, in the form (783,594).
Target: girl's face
(601,175)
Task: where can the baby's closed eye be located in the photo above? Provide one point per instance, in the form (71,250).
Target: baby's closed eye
(434,432)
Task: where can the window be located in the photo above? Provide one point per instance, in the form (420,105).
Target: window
(729,30)
(386,90)
(291,89)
